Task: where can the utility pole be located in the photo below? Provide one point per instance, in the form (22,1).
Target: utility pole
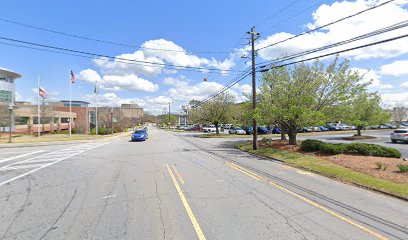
(112,121)
(169,114)
(254,36)
(10,107)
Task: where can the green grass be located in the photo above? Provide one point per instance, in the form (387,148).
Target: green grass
(327,168)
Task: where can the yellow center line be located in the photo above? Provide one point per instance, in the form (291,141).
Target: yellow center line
(244,172)
(315,204)
(178,174)
(190,213)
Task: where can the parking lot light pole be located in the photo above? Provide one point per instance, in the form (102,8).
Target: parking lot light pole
(10,108)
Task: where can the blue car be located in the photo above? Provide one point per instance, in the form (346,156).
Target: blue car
(139,135)
(276,130)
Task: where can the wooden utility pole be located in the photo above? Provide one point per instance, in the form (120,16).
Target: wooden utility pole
(254,36)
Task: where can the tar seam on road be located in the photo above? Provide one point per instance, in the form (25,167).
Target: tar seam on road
(178,174)
(190,213)
(315,204)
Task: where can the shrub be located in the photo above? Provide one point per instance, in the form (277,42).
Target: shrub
(310,145)
(379,165)
(331,148)
(402,168)
(352,148)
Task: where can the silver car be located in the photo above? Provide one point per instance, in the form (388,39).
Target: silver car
(399,135)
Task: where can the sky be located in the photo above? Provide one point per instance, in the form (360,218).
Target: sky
(184,39)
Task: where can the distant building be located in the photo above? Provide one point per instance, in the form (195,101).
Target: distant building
(132,111)
(82,111)
(7,87)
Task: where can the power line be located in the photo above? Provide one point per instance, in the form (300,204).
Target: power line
(291,17)
(328,24)
(95,58)
(392,27)
(321,56)
(274,14)
(110,57)
(105,41)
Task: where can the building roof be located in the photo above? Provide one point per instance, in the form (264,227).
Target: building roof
(9,73)
(73,101)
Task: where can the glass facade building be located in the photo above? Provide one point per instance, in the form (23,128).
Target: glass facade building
(7,87)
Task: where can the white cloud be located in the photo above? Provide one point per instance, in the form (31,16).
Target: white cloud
(397,68)
(182,90)
(391,13)
(392,99)
(370,75)
(404,84)
(139,62)
(129,82)
(112,100)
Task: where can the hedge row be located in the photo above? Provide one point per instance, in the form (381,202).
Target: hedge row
(349,148)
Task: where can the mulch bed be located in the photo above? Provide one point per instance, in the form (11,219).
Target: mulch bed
(362,164)
(351,138)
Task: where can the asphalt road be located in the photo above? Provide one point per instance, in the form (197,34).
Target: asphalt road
(176,186)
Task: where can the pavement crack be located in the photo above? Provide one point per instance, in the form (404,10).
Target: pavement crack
(60,216)
(160,211)
(21,210)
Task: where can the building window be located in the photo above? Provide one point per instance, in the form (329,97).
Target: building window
(6,96)
(21,120)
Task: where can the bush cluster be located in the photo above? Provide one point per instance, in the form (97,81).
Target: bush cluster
(364,149)
(105,131)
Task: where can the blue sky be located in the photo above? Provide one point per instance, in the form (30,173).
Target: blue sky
(216,26)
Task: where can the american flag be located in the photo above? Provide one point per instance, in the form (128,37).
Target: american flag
(72,77)
(42,92)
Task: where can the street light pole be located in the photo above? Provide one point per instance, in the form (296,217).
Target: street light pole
(112,121)
(10,107)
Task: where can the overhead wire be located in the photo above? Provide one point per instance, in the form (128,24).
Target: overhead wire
(111,57)
(327,24)
(317,57)
(105,41)
(392,27)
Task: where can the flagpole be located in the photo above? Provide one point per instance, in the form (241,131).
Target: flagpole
(70,105)
(38,106)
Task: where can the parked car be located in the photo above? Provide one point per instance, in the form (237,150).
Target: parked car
(306,129)
(399,135)
(387,126)
(139,135)
(248,130)
(316,129)
(343,126)
(236,130)
(228,126)
(276,130)
(262,130)
(324,129)
(209,129)
(333,127)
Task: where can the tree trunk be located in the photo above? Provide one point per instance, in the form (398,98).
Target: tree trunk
(217,131)
(283,135)
(292,136)
(359,130)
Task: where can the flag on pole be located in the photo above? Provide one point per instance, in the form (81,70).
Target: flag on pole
(72,77)
(42,92)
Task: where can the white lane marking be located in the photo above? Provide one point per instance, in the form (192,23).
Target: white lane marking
(109,196)
(21,167)
(20,156)
(50,164)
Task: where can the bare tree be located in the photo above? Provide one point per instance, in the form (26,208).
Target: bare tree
(4,117)
(399,114)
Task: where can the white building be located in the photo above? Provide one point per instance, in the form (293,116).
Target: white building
(7,87)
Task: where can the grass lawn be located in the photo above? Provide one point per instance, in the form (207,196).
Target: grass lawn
(327,168)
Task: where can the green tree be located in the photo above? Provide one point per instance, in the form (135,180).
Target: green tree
(365,110)
(217,111)
(302,95)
